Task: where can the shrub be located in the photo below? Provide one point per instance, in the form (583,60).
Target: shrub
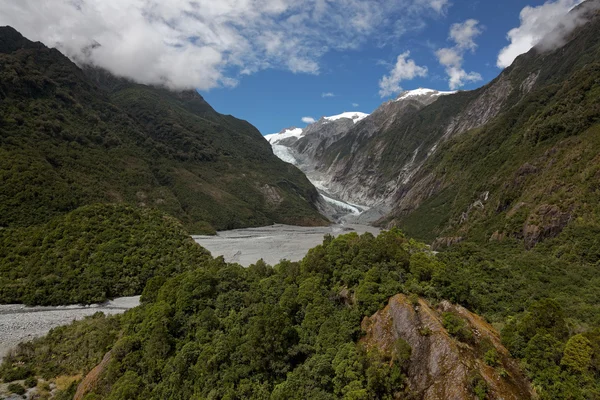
(16,388)
(31,382)
(457,327)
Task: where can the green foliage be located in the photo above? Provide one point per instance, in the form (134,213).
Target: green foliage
(224,331)
(67,350)
(457,326)
(479,386)
(491,357)
(31,382)
(578,354)
(70,138)
(92,254)
(16,388)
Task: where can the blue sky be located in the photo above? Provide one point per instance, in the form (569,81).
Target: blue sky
(274,99)
(271,61)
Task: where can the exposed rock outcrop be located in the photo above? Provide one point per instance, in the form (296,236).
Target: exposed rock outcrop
(442,367)
(90,381)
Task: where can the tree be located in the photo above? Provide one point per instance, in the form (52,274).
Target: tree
(578,354)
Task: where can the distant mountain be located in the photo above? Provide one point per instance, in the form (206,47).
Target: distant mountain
(71,137)
(512,159)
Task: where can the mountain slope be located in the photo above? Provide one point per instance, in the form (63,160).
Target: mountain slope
(531,171)
(434,161)
(71,137)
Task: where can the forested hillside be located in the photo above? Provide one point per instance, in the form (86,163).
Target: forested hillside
(70,138)
(294,331)
(92,254)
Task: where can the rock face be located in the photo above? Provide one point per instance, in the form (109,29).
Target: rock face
(442,367)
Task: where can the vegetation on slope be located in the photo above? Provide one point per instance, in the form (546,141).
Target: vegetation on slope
(70,138)
(293,330)
(92,254)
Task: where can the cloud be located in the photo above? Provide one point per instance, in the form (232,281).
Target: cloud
(463,35)
(308,120)
(405,69)
(547,26)
(207,43)
(326,95)
(355,105)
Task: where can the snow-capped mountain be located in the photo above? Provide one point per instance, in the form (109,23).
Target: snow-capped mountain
(421,93)
(311,148)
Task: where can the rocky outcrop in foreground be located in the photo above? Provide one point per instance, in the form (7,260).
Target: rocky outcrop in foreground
(455,354)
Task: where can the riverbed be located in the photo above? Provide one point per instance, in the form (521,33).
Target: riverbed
(19,323)
(272,243)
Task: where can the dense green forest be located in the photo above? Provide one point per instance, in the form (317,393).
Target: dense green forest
(70,137)
(293,330)
(92,254)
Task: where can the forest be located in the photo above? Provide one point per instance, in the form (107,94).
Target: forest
(202,333)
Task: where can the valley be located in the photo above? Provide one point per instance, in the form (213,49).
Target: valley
(19,323)
(445,245)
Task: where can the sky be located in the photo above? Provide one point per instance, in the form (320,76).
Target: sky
(284,63)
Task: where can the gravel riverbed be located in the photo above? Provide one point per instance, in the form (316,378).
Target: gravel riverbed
(19,323)
(272,243)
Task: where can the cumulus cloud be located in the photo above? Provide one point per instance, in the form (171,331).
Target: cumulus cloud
(547,26)
(208,43)
(327,95)
(308,120)
(405,69)
(355,105)
(452,58)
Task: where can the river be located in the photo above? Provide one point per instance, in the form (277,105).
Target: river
(19,323)
(272,243)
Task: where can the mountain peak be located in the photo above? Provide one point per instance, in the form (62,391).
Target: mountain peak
(353,115)
(421,92)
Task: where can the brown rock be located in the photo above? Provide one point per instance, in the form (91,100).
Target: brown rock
(441,367)
(90,381)
(546,222)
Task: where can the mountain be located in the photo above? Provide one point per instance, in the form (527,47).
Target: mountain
(72,136)
(513,159)
(305,147)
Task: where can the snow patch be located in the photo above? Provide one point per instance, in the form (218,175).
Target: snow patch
(421,92)
(283,153)
(288,133)
(341,204)
(354,116)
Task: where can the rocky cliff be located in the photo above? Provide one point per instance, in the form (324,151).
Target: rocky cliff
(454,354)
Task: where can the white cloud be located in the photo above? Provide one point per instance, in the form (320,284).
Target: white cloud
(463,35)
(355,105)
(546,25)
(327,94)
(405,69)
(208,43)
(308,120)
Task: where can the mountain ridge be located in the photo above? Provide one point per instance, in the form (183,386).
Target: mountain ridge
(92,137)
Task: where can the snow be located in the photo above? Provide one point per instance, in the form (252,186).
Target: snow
(355,116)
(283,153)
(288,133)
(421,92)
(342,205)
